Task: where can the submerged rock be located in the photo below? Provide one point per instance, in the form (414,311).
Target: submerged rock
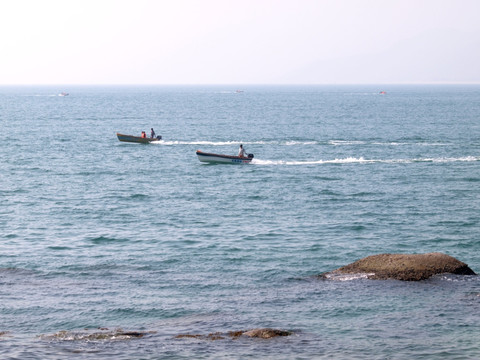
(104,334)
(406,267)
(264,333)
(211,336)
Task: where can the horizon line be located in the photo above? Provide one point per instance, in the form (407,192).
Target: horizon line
(251,84)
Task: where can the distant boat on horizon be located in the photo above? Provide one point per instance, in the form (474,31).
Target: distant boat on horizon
(63,94)
(382,92)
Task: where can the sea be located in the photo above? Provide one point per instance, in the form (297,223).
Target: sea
(113,250)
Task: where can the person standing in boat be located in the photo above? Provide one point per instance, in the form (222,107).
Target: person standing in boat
(144,135)
(241,151)
(152,133)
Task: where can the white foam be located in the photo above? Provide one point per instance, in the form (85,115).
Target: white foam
(292,142)
(348,277)
(345,142)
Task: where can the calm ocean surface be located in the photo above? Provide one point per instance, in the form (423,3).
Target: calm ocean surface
(96,233)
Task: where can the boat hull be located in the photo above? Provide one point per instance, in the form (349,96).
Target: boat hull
(135,139)
(219,158)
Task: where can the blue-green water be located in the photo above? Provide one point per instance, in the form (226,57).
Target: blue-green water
(99,233)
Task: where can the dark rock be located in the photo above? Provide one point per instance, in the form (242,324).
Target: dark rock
(235,334)
(212,336)
(131,334)
(259,333)
(406,267)
(266,333)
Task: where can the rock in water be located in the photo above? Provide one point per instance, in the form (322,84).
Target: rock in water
(266,333)
(407,267)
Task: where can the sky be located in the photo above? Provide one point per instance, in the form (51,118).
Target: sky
(239,42)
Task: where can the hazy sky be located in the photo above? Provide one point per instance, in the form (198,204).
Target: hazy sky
(239,41)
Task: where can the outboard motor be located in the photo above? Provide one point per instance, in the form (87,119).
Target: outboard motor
(250,156)
(159,137)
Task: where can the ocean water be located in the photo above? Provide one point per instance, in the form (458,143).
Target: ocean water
(98,235)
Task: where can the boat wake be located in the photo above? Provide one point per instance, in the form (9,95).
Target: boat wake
(303,143)
(40,95)
(361,160)
(235,142)
(309,162)
(210,143)
(383,143)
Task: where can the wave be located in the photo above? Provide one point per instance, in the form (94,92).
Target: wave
(361,160)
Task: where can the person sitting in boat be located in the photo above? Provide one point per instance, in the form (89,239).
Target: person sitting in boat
(241,151)
(144,135)
(152,133)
